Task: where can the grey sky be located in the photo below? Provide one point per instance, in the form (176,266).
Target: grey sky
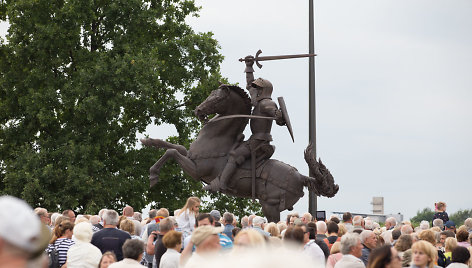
(393,88)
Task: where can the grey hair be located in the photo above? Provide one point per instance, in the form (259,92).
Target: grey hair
(392,221)
(133,248)
(101,212)
(424,225)
(439,223)
(357,220)
(245,221)
(94,219)
(153,213)
(110,217)
(321,227)
(369,224)
(349,241)
(407,229)
(41,211)
(365,234)
(228,217)
(166,225)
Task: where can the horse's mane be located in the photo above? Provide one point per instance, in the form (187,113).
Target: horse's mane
(243,94)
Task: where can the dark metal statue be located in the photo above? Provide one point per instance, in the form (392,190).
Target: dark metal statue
(225,162)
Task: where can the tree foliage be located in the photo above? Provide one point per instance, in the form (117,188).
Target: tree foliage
(457,217)
(460,216)
(423,215)
(78,80)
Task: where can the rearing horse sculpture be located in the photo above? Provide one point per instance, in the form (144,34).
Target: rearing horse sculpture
(278,185)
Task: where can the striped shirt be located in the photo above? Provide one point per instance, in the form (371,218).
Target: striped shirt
(62,245)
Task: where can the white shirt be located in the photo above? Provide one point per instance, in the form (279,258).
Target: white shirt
(83,255)
(186,222)
(349,261)
(170,259)
(126,263)
(314,251)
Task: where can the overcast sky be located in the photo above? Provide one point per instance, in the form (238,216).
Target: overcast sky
(393,93)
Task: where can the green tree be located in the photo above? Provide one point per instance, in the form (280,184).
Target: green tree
(424,215)
(78,80)
(460,216)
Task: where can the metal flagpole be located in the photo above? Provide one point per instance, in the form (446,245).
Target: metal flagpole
(312,202)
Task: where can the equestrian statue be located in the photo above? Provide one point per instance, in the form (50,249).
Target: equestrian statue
(225,162)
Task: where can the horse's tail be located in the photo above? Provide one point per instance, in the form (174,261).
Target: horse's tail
(158,143)
(323,181)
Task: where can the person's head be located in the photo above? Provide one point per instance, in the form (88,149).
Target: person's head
(321,227)
(444,235)
(439,223)
(384,257)
(396,233)
(282,226)
(332,228)
(107,259)
(69,213)
(228,218)
(450,244)
(249,238)
(166,225)
(368,224)
(441,206)
(64,229)
(424,225)
(43,215)
(138,216)
(335,219)
(111,218)
(468,223)
(127,226)
(163,212)
(204,219)
(128,211)
(83,232)
(152,213)
(369,239)
(342,229)
(428,235)
(311,229)
(450,225)
(258,221)
(347,217)
(95,219)
(390,222)
(351,244)
(251,217)
(263,89)
(462,235)
(295,235)
(403,243)
(272,229)
(101,212)
(172,239)
(206,239)
(335,248)
(245,222)
(306,218)
(406,229)
(216,215)
(192,204)
(461,255)
(292,220)
(424,254)
(133,249)
(358,221)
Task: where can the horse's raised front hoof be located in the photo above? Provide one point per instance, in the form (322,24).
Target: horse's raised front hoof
(153,180)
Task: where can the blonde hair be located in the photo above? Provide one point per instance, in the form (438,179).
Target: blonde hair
(272,229)
(341,229)
(428,235)
(127,226)
(255,238)
(191,202)
(450,244)
(335,248)
(427,249)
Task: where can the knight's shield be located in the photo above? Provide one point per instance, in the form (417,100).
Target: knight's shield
(283,109)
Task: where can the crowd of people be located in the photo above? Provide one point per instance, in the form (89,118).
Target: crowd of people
(192,239)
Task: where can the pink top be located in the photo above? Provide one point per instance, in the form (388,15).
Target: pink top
(333,259)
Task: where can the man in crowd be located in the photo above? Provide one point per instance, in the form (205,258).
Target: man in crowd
(358,224)
(351,248)
(406,229)
(245,222)
(206,241)
(450,226)
(347,219)
(311,248)
(215,214)
(321,230)
(390,223)
(306,218)
(439,223)
(154,245)
(22,239)
(333,230)
(128,211)
(43,215)
(97,227)
(258,225)
(132,252)
(110,238)
(369,242)
(228,225)
(70,214)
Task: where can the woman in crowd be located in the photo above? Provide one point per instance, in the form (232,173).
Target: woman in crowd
(186,216)
(83,254)
(335,255)
(424,255)
(128,226)
(403,247)
(107,259)
(247,239)
(462,237)
(384,257)
(62,240)
(449,245)
(173,242)
(272,229)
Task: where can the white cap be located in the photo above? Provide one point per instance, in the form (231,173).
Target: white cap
(19,225)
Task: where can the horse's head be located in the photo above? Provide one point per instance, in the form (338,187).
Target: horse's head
(225,100)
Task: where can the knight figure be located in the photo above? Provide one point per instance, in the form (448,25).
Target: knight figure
(258,144)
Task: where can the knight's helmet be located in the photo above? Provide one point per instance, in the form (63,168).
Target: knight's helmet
(266,87)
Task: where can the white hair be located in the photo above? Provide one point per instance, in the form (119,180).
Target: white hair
(365,234)
(468,223)
(54,217)
(258,221)
(321,227)
(439,223)
(387,237)
(83,232)
(368,224)
(348,241)
(357,220)
(424,225)
(376,225)
(110,217)
(406,229)
(392,221)
(245,221)
(94,219)
(100,213)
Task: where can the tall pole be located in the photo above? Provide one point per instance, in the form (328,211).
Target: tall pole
(312,203)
